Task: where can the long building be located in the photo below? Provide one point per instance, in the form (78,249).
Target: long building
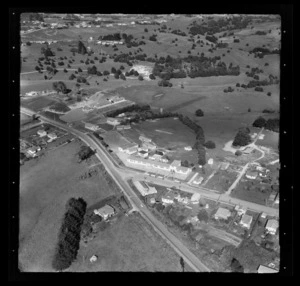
(151,165)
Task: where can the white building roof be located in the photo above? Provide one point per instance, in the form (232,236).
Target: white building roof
(105,211)
(222,213)
(265,269)
(246,220)
(272,225)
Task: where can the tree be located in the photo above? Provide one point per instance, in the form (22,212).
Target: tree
(81,48)
(152,77)
(92,70)
(72,76)
(140,78)
(269,93)
(259,122)
(199,113)
(242,138)
(146,30)
(210,144)
(202,215)
(113,70)
(60,87)
(79,70)
(182,263)
(185,163)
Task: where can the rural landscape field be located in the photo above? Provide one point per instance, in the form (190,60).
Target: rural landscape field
(149,143)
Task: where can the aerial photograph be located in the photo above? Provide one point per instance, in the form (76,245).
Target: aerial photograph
(149,143)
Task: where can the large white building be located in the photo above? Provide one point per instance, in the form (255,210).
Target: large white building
(144,189)
(156,165)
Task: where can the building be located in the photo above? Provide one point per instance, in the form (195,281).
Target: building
(195,198)
(241,211)
(143,153)
(265,269)
(168,198)
(272,226)
(149,146)
(91,126)
(183,200)
(251,175)
(129,148)
(31,151)
(198,181)
(156,156)
(52,136)
(145,139)
(246,221)
(248,150)
(222,213)
(42,133)
(277,199)
(105,212)
(210,161)
(112,121)
(144,189)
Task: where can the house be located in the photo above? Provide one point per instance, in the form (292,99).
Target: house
(246,221)
(265,269)
(248,150)
(222,213)
(42,133)
(195,198)
(251,175)
(168,198)
(156,156)
(52,136)
(31,151)
(272,197)
(183,200)
(145,139)
(144,189)
(105,212)
(210,161)
(175,164)
(143,153)
(188,148)
(241,211)
(129,148)
(272,226)
(91,126)
(182,170)
(112,121)
(149,146)
(198,181)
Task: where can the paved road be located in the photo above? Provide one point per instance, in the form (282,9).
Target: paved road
(177,245)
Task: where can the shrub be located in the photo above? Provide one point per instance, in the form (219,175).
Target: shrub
(199,113)
(209,144)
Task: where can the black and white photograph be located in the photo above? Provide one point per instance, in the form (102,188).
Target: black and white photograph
(149,142)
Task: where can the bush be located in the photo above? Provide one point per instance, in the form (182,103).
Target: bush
(238,153)
(236,266)
(260,122)
(140,78)
(209,144)
(242,138)
(202,215)
(199,113)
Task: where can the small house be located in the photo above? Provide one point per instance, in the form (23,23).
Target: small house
(198,180)
(143,153)
(195,198)
(222,213)
(246,221)
(188,148)
(224,166)
(145,139)
(105,212)
(52,136)
(210,161)
(272,226)
(251,175)
(168,198)
(42,133)
(112,121)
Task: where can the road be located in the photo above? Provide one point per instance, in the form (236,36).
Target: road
(59,69)
(176,244)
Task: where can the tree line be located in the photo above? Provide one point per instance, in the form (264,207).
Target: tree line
(69,235)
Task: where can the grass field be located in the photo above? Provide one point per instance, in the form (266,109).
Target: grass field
(45,186)
(38,103)
(113,246)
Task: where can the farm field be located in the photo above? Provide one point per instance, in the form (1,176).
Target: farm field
(113,246)
(46,184)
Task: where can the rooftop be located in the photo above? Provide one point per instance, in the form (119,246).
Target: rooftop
(223,213)
(265,269)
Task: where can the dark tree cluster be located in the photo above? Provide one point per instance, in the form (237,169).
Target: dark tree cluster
(210,144)
(47,52)
(242,138)
(199,112)
(261,52)
(69,236)
(179,33)
(85,152)
(229,89)
(81,48)
(131,108)
(60,86)
(270,124)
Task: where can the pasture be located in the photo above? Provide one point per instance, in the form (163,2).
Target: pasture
(46,184)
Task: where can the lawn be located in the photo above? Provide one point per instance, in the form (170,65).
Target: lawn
(113,246)
(45,186)
(38,103)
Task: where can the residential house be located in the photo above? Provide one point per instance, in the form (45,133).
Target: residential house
(188,148)
(149,146)
(198,180)
(248,150)
(42,133)
(222,213)
(265,269)
(251,175)
(241,211)
(183,200)
(195,198)
(144,189)
(246,221)
(112,121)
(105,212)
(210,161)
(272,226)
(52,136)
(168,198)
(129,148)
(31,151)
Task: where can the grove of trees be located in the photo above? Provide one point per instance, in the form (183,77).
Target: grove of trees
(242,138)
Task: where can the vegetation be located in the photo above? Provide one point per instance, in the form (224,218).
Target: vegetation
(199,113)
(210,144)
(84,153)
(60,86)
(260,122)
(69,236)
(81,48)
(242,138)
